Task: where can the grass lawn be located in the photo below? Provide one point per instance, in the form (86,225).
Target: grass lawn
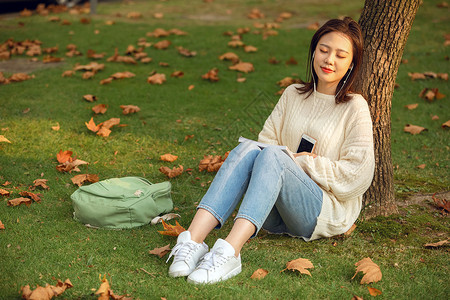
(42,242)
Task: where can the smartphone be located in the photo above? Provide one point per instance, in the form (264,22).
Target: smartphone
(307,144)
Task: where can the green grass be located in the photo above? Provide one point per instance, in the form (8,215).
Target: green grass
(42,241)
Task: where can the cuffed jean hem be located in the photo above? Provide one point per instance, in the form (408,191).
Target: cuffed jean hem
(251,220)
(213,212)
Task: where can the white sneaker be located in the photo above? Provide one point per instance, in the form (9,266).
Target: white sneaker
(217,265)
(187,254)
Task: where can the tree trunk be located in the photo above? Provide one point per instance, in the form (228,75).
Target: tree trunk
(385,25)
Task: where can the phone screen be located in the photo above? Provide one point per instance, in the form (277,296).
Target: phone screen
(305,146)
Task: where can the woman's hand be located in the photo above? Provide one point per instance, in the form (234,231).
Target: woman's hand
(305,153)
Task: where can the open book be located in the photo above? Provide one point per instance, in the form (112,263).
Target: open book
(285,149)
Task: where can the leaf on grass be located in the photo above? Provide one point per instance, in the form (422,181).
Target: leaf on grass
(134,15)
(444,125)
(313,26)
(177,74)
(71,166)
(373,291)
(299,264)
(441,203)
(91,125)
(350,231)
(56,127)
(172,230)
(412,106)
(230,56)
(33,196)
(100,109)
(129,109)
(186,52)
(160,251)
(68,73)
(168,157)
(3,139)
(162,44)
(413,129)
(259,274)
(436,245)
(244,67)
(90,98)
(287,81)
(82,178)
(18,201)
(2,226)
(157,78)
(110,123)
(105,292)
(63,156)
(212,163)
(250,49)
(41,183)
(122,75)
(421,166)
(211,75)
(47,292)
(18,77)
(4,192)
(92,66)
(171,173)
(371,270)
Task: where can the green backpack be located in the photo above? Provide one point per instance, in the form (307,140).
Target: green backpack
(118,203)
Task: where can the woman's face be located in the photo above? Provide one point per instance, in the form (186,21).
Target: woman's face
(332,58)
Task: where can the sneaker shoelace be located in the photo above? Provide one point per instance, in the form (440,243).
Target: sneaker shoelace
(182,251)
(213,259)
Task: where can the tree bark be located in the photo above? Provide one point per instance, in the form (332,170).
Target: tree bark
(385,25)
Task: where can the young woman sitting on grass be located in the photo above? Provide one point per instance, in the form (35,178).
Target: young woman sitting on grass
(318,194)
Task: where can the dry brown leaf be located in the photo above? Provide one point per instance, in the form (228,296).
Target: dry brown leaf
(18,201)
(437,244)
(243,67)
(236,43)
(441,203)
(188,136)
(171,173)
(299,264)
(63,156)
(171,230)
(2,226)
(373,291)
(4,139)
(191,87)
(444,125)
(105,132)
(71,166)
(291,61)
(416,76)
(41,183)
(106,81)
(250,49)
(134,15)
(287,81)
(157,78)
(164,44)
(47,292)
(32,196)
(177,74)
(350,231)
(122,75)
(259,274)
(100,108)
(211,75)
(212,163)
(91,125)
(90,98)
(255,14)
(56,127)
(313,26)
(412,106)
(4,192)
(186,52)
(158,15)
(422,166)
(82,178)
(110,123)
(371,270)
(17,77)
(413,129)
(67,73)
(168,157)
(92,66)
(105,292)
(233,57)
(129,109)
(158,32)
(160,251)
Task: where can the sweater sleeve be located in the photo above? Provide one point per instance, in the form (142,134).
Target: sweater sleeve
(351,175)
(271,131)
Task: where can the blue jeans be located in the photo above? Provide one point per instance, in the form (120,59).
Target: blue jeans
(279,196)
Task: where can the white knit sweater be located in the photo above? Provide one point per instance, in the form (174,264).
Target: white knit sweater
(345,163)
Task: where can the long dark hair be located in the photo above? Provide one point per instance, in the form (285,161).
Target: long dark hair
(352,31)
